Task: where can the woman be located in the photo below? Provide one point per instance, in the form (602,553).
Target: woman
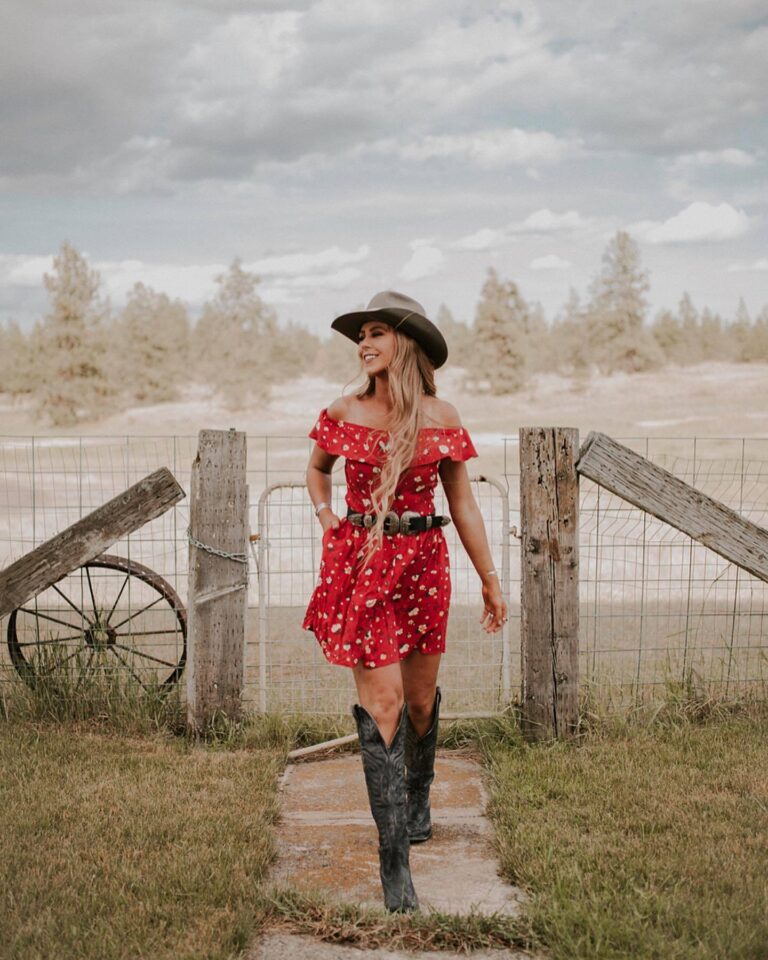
(381,602)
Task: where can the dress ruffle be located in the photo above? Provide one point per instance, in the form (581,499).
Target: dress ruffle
(358,442)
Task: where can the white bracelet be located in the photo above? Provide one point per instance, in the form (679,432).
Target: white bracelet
(320,506)
(491,573)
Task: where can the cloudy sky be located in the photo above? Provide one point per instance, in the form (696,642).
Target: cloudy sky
(341,147)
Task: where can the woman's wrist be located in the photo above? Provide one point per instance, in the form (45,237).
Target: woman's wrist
(321,506)
(490,576)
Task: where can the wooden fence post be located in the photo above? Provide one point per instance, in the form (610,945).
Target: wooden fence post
(218,593)
(549,520)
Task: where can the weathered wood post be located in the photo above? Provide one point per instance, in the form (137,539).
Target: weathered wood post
(218,594)
(549,519)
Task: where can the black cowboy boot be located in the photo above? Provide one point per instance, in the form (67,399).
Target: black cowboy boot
(419,774)
(385,779)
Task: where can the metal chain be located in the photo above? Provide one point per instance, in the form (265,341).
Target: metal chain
(237,557)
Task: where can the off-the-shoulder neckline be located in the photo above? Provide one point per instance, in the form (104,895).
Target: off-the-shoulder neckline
(364,426)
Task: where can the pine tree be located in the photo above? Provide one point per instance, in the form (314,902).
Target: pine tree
(538,352)
(72,375)
(457,335)
(713,338)
(666,331)
(690,330)
(568,336)
(615,317)
(501,321)
(153,333)
(233,340)
(739,332)
(758,339)
(16,360)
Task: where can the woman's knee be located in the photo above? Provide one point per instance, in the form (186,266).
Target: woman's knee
(421,704)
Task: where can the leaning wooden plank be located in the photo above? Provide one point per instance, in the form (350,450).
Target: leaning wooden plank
(87,538)
(660,493)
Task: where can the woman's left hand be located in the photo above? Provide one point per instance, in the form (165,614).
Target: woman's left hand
(495,610)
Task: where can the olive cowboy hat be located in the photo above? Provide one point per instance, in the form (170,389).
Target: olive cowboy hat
(402,313)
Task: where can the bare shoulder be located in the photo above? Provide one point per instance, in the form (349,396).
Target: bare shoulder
(338,410)
(441,413)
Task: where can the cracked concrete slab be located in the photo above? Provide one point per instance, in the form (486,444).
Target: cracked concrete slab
(327,840)
(290,946)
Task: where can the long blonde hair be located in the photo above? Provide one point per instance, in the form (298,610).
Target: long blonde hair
(410,376)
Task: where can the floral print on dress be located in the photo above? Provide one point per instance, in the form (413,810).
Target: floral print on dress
(399,602)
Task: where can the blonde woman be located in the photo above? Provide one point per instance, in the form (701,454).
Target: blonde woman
(381,603)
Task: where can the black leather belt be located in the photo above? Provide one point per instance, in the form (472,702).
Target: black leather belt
(407,522)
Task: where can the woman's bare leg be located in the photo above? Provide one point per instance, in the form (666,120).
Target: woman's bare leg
(380,691)
(419,673)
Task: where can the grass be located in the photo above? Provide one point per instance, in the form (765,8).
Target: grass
(646,840)
(124,836)
(116,846)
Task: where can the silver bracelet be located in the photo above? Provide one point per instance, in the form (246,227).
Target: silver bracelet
(320,506)
(491,573)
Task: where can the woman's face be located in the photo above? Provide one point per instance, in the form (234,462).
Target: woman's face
(375,346)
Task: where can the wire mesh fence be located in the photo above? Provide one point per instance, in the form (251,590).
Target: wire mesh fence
(656,608)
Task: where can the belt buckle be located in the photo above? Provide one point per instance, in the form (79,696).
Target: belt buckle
(405,520)
(391,523)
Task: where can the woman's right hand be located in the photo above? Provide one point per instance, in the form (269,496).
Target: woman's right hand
(328,519)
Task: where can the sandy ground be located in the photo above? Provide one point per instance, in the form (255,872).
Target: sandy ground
(709,400)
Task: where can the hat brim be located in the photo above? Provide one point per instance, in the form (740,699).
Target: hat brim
(416,326)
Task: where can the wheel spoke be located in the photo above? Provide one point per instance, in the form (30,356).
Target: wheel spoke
(74,606)
(45,616)
(147,633)
(125,583)
(147,656)
(134,615)
(135,677)
(90,588)
(40,643)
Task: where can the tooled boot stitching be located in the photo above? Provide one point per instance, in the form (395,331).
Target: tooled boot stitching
(419,774)
(385,779)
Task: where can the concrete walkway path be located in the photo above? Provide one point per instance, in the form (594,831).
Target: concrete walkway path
(327,839)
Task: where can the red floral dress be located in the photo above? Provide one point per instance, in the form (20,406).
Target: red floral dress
(399,602)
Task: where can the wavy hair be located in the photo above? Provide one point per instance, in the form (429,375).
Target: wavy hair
(410,376)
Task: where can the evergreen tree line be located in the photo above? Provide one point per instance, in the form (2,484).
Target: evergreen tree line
(82,360)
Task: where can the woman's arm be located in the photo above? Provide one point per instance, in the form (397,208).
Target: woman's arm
(470,527)
(320,485)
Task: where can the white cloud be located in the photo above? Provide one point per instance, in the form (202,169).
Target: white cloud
(543,221)
(728,157)
(550,262)
(294,264)
(425,261)
(484,239)
(488,149)
(18,270)
(757,266)
(698,222)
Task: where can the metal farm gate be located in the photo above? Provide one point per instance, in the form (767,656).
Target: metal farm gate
(285,667)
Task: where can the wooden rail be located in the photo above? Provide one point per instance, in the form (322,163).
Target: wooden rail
(660,493)
(87,538)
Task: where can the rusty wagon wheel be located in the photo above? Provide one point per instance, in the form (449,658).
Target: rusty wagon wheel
(111,614)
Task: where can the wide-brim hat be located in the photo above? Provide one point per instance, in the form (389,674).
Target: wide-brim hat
(401,313)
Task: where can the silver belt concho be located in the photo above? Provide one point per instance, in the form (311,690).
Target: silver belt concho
(394,523)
